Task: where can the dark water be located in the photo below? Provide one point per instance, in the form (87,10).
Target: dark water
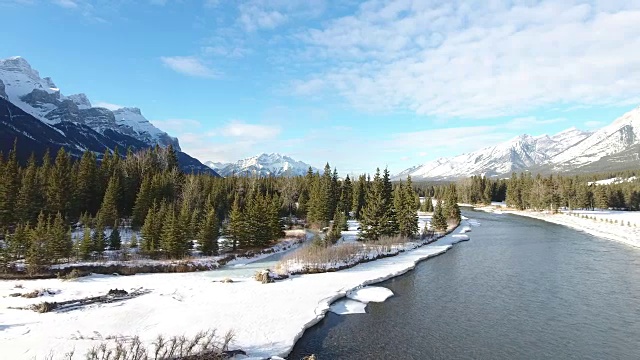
(520,289)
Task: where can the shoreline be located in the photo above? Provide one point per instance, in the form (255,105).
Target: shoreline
(629,236)
(268,318)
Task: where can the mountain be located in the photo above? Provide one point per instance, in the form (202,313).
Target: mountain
(611,148)
(39,116)
(517,154)
(262,165)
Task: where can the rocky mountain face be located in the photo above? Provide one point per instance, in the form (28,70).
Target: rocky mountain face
(614,147)
(39,116)
(41,98)
(262,165)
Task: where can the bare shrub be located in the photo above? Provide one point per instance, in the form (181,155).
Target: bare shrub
(204,345)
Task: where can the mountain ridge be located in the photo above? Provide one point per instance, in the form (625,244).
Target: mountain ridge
(273,164)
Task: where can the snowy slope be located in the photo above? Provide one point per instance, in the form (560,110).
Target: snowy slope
(621,135)
(41,98)
(262,165)
(519,153)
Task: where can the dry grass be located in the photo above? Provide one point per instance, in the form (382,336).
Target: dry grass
(317,257)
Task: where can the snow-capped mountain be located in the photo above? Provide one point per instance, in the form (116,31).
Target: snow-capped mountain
(519,153)
(34,112)
(611,143)
(262,165)
(40,97)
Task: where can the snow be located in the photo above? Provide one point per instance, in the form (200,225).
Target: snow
(516,154)
(263,165)
(620,226)
(348,306)
(370,294)
(267,318)
(615,180)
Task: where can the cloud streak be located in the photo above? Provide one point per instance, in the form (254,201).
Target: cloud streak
(189,65)
(478,59)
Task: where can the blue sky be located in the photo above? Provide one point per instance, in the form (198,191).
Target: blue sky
(358,84)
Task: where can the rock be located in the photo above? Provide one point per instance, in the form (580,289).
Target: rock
(2,91)
(226,280)
(117,292)
(231,353)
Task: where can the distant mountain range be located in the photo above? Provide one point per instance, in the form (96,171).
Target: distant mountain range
(614,147)
(262,165)
(35,112)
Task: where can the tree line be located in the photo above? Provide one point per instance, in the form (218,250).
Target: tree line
(58,209)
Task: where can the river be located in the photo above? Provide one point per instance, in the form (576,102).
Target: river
(520,289)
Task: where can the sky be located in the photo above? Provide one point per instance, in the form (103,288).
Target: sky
(358,84)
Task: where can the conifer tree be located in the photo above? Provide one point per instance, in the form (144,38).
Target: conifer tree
(28,204)
(438,220)
(319,202)
(59,188)
(85,246)
(85,189)
(237,228)
(115,242)
(18,243)
(151,230)
(346,196)
(133,241)
(406,211)
(208,234)
(38,255)
(144,199)
(359,197)
(173,239)
(375,216)
(390,227)
(60,243)
(108,213)
(9,186)
(98,238)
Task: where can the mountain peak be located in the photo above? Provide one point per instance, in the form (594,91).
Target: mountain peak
(18,64)
(133,110)
(264,164)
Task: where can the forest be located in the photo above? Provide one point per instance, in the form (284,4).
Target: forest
(63,209)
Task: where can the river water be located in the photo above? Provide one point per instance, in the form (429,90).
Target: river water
(520,289)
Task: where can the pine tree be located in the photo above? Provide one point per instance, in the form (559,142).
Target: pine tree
(346,196)
(18,243)
(133,242)
(151,230)
(237,227)
(28,204)
(60,243)
(144,200)
(9,186)
(108,213)
(115,242)
(375,216)
(58,191)
(85,246)
(359,197)
(428,204)
(98,238)
(451,208)
(438,220)
(338,224)
(37,255)
(406,210)
(172,158)
(173,240)
(390,227)
(86,189)
(208,234)
(319,202)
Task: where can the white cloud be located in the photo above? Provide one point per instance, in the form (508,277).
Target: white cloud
(69,4)
(479,59)
(240,129)
(189,65)
(594,124)
(107,105)
(269,14)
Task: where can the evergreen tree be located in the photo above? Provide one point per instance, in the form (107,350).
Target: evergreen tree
(428,204)
(133,242)
(375,216)
(85,246)
(151,230)
(451,208)
(85,189)
(58,191)
(406,210)
(18,243)
(319,202)
(28,204)
(38,255)
(115,242)
(60,243)
(9,186)
(208,233)
(144,199)
(108,213)
(98,238)
(237,228)
(390,227)
(359,197)
(439,221)
(346,196)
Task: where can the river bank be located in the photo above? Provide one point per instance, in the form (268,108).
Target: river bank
(620,226)
(267,319)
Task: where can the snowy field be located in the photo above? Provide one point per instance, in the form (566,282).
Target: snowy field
(621,226)
(267,318)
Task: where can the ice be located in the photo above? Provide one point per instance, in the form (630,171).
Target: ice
(370,294)
(462,237)
(348,306)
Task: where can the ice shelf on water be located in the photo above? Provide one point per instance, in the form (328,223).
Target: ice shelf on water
(348,306)
(370,294)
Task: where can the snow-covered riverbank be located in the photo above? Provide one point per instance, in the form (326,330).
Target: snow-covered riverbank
(267,319)
(621,226)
